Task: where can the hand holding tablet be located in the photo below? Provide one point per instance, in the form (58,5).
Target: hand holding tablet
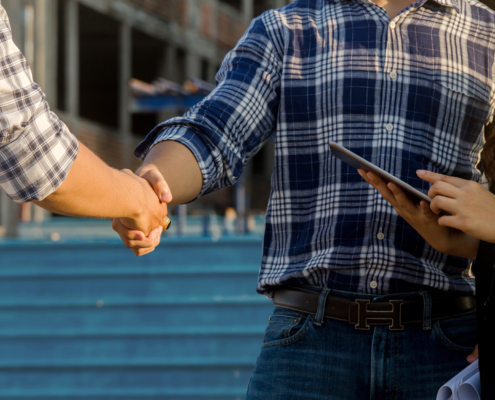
(360,163)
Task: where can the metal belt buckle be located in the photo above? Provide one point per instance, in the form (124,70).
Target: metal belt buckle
(394,315)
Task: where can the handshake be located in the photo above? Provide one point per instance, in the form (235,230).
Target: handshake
(141,233)
(136,203)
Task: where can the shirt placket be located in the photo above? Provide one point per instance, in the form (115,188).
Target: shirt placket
(391,66)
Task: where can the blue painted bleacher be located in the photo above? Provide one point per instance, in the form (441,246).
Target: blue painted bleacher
(86,319)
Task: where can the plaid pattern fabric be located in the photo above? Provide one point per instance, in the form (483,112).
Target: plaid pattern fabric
(411,93)
(36,148)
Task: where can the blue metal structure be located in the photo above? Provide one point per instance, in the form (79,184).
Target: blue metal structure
(178,104)
(88,320)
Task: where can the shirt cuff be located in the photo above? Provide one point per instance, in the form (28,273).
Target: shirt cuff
(193,142)
(34,166)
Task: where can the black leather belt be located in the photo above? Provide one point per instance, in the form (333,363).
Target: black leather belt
(362,313)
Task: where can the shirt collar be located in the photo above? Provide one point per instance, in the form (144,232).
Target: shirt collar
(447,3)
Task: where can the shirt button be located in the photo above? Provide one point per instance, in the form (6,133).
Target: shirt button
(393,75)
(390,127)
(392,25)
(373,284)
(380,236)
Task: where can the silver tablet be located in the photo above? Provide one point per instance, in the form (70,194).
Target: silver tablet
(360,163)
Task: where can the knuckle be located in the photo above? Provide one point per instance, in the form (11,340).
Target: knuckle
(472,185)
(466,222)
(435,203)
(437,185)
(141,252)
(129,236)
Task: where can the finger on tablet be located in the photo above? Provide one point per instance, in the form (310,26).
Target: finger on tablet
(449,221)
(441,203)
(425,207)
(442,188)
(362,174)
(433,177)
(380,185)
(405,202)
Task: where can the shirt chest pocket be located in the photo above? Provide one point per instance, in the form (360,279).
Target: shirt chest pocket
(456,111)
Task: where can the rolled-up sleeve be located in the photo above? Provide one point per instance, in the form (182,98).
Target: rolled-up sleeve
(232,124)
(36,148)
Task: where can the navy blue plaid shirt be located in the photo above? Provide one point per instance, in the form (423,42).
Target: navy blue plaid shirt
(407,94)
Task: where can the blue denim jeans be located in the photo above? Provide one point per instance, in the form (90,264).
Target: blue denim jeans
(300,360)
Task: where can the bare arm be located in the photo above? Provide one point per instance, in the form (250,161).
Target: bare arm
(179,168)
(93,189)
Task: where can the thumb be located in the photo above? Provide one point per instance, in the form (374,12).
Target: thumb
(158,183)
(473,356)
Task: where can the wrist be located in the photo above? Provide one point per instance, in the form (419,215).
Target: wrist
(132,193)
(466,246)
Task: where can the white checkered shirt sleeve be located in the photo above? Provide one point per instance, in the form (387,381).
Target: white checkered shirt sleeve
(36,148)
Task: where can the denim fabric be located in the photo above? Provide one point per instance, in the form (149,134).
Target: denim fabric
(300,360)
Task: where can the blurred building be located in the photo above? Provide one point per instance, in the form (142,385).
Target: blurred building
(83,53)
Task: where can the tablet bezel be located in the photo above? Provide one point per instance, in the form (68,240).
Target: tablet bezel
(357,162)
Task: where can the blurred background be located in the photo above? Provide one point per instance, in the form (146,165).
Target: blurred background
(113,69)
(80,316)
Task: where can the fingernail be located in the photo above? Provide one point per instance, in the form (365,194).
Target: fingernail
(138,237)
(470,358)
(166,196)
(421,172)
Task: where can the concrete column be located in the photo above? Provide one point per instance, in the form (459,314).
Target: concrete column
(279,3)
(247,10)
(212,71)
(181,219)
(46,48)
(171,71)
(40,214)
(193,65)
(14,10)
(125,66)
(9,213)
(72,60)
(45,66)
(242,198)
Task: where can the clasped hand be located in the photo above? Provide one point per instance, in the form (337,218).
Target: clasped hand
(142,234)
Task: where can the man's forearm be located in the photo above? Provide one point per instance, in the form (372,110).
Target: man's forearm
(179,167)
(93,189)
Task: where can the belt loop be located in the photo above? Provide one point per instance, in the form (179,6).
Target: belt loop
(320,313)
(426,310)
